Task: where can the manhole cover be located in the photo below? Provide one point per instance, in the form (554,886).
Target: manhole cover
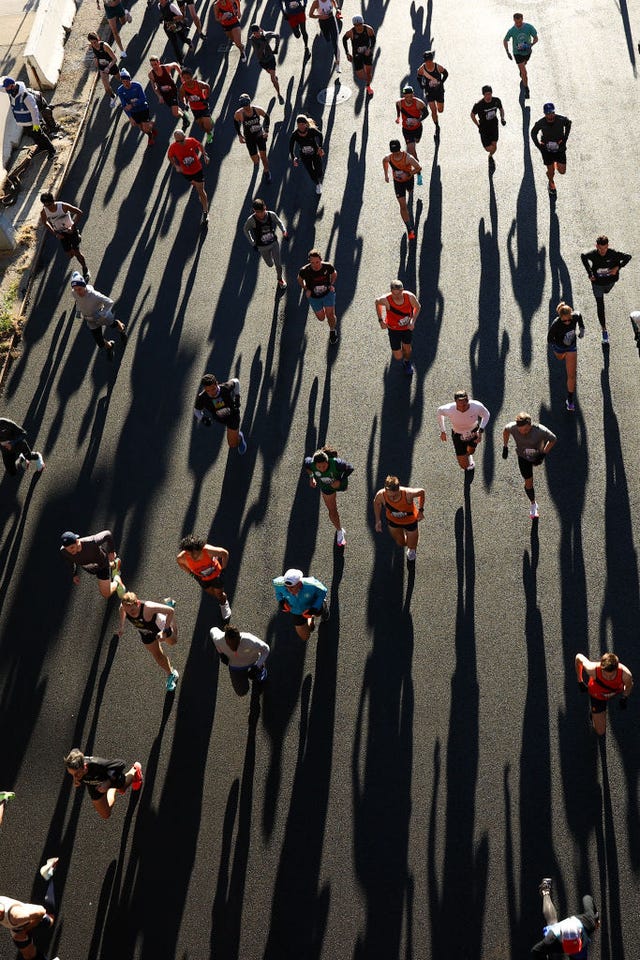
(338,93)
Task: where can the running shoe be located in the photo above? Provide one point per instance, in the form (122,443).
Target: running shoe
(411,235)
(605,336)
(113,102)
(243,57)
(552,190)
(311,624)
(408,368)
(169,601)
(123,54)
(5,796)
(545,885)
(49,868)
(570,405)
(261,677)
(333,336)
(411,555)
(185,123)
(210,137)
(225,612)
(341,537)
(338,67)
(242,449)
(22,462)
(534,513)
(109,345)
(282,283)
(138,777)
(267,176)
(87,275)
(369,91)
(39,462)
(128,16)
(318,188)
(419,179)
(472,464)
(172,681)
(120,587)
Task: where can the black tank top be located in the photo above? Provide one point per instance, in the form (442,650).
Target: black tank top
(165,81)
(146,627)
(104,60)
(252,125)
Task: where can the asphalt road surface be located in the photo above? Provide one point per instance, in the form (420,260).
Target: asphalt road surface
(410,774)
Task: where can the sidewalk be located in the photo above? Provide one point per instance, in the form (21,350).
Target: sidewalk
(70,97)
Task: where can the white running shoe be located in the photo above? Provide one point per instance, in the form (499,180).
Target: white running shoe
(49,868)
(225,612)
(411,555)
(318,188)
(128,17)
(22,462)
(533,511)
(472,464)
(341,537)
(39,462)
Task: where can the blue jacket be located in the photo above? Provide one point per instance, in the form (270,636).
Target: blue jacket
(310,597)
(134,98)
(24,107)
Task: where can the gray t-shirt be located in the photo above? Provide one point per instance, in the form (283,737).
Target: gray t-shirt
(529,446)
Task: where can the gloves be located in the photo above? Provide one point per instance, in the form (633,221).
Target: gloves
(505,453)
(206,421)
(224,659)
(582,686)
(503,122)
(623,703)
(36,128)
(285,606)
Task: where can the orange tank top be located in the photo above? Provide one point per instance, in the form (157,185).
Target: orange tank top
(411,115)
(402,169)
(399,315)
(403,511)
(205,567)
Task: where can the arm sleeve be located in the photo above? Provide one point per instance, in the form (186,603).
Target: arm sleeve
(68,559)
(263,651)
(248,224)
(445,74)
(292,143)
(624,259)
(105,539)
(442,415)
(586,262)
(567,128)
(486,416)
(278,221)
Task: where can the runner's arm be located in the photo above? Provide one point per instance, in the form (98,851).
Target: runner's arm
(219,554)
(584,666)
(628,681)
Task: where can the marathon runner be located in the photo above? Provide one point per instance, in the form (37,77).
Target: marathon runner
(533,442)
(252,126)
(605,678)
(166,90)
(484,114)
(195,94)
(185,154)
(403,167)
(20,919)
(206,565)
(61,220)
(175,26)
(397,314)
(244,654)
(266,55)
(305,598)
(260,230)
(95,308)
(117,15)
(562,337)
(362,40)
(554,133)
(468,419)
(294,14)
(523,38)
(106,64)
(317,278)
(603,266)
(221,402)
(97,556)
(411,111)
(330,472)
(308,140)
(156,624)
(104,779)
(16,452)
(227,13)
(401,512)
(432,77)
(136,106)
(329,18)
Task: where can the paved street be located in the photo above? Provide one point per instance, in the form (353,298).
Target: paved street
(408,777)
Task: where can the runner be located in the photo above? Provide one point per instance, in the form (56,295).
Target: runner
(605,678)
(221,402)
(97,556)
(206,565)
(410,111)
(603,266)
(293,12)
(156,624)
(523,37)
(175,27)
(166,90)
(104,779)
(554,133)
(23,918)
(185,154)
(484,114)
(26,113)
(401,512)
(193,13)
(261,43)
(95,308)
(397,314)
(260,231)
(16,452)
(305,598)
(106,64)
(328,471)
(227,13)
(329,18)
(562,337)
(432,77)
(252,126)
(195,94)
(571,936)
(317,278)
(117,15)
(468,419)
(136,106)
(403,167)
(308,139)
(533,442)
(60,219)
(362,39)
(244,654)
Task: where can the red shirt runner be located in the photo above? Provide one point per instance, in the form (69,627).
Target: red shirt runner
(187,153)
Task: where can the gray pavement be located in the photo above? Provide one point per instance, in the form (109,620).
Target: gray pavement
(410,775)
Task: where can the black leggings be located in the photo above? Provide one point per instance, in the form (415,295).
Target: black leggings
(41,139)
(313,166)
(178,39)
(329,31)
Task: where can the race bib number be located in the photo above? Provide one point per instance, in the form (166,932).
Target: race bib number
(207,571)
(400,175)
(434,83)
(320,290)
(523,47)
(227,15)
(361,49)
(268,237)
(411,122)
(404,321)
(603,272)
(552,146)
(188,161)
(569,338)
(308,150)
(490,114)
(398,514)
(165,89)
(468,435)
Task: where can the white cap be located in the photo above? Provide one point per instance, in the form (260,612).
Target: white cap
(292,577)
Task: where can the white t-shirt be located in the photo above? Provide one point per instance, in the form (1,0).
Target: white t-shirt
(251,650)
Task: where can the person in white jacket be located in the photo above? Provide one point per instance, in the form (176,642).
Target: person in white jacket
(26,114)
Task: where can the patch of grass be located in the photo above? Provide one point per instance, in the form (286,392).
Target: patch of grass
(8,317)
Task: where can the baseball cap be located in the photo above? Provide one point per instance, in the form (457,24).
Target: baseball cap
(8,82)
(68,537)
(255,28)
(549,108)
(77,280)
(244,99)
(429,54)
(357,19)
(292,577)
(125,74)
(407,88)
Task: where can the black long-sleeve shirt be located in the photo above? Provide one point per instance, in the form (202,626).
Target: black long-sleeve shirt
(598,265)
(308,145)
(562,334)
(554,131)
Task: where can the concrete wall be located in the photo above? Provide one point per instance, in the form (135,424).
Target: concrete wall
(44,50)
